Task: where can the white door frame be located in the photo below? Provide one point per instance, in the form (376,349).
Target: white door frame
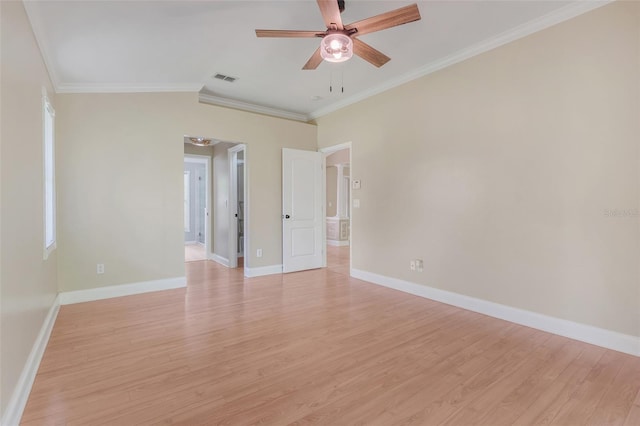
(206,160)
(328,151)
(232,154)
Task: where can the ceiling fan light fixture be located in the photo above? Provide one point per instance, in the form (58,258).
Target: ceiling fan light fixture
(200,141)
(336,47)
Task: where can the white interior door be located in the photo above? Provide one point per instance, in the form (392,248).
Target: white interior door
(302,210)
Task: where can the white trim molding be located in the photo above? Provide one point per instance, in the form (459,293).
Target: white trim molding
(335,243)
(233,210)
(36,27)
(18,400)
(219,259)
(335,148)
(123,88)
(586,333)
(99,293)
(565,13)
(246,106)
(262,270)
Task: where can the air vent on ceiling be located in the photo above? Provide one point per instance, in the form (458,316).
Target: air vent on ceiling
(225,78)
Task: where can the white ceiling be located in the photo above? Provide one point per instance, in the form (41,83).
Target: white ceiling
(131,45)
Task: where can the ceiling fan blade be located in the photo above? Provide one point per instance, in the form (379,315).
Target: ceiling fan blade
(330,13)
(288,33)
(313,61)
(369,54)
(386,20)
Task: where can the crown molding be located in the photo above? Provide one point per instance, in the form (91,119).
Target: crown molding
(59,87)
(563,14)
(246,106)
(560,15)
(116,88)
(37,33)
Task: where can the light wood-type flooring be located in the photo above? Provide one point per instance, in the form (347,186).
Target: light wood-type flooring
(316,347)
(194,252)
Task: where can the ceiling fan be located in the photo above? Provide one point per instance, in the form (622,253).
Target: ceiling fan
(340,42)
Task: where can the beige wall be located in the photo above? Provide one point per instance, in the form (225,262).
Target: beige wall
(120,179)
(332,191)
(338,157)
(28,284)
(498,171)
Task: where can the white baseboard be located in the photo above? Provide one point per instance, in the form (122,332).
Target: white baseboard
(219,259)
(79,296)
(262,270)
(337,243)
(585,333)
(20,395)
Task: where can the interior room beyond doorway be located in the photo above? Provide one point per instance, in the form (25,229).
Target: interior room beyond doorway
(338,186)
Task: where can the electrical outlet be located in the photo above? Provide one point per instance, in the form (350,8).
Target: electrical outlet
(100,268)
(419,265)
(412,265)
(259,253)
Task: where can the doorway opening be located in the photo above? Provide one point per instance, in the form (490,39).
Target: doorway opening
(238,206)
(197,189)
(337,184)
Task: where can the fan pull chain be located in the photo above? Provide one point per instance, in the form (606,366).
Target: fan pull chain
(341,81)
(331,81)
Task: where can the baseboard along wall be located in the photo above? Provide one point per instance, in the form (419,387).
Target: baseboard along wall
(20,395)
(219,259)
(89,295)
(586,333)
(336,243)
(262,270)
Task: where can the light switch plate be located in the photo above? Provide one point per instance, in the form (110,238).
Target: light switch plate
(355,184)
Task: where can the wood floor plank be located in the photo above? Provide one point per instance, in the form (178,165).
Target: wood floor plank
(523,395)
(617,402)
(582,404)
(495,404)
(633,418)
(351,358)
(449,400)
(316,347)
(369,373)
(546,405)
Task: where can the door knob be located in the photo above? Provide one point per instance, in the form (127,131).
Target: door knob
(286,216)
